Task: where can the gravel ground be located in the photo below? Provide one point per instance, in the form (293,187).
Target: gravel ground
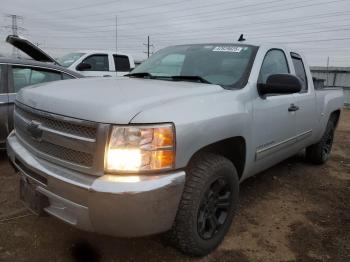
(292,212)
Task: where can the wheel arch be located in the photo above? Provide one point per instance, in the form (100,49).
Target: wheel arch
(233,148)
(335,115)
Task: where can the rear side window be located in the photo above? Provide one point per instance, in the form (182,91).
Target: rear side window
(121,63)
(299,70)
(25,76)
(275,62)
(97,63)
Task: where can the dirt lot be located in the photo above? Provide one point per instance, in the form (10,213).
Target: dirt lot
(292,212)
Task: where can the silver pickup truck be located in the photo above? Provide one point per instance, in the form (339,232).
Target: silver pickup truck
(165,148)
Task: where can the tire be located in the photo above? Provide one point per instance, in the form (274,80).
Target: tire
(319,153)
(206,209)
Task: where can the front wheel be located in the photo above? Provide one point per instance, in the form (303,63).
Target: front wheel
(320,152)
(207,206)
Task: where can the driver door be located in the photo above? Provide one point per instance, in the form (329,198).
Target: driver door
(274,125)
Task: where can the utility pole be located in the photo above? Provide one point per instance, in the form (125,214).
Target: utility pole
(116,46)
(148,47)
(15,28)
(327,71)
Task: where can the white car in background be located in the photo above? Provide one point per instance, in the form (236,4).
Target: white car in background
(98,63)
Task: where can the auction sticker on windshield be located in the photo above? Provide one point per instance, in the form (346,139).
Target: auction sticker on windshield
(232,49)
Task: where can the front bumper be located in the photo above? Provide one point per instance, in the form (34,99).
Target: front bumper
(124,206)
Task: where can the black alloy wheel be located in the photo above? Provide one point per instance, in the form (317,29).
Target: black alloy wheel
(214,208)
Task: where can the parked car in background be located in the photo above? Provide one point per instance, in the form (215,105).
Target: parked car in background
(98,63)
(18,73)
(165,149)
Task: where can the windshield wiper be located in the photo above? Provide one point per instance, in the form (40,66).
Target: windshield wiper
(141,75)
(175,78)
(190,78)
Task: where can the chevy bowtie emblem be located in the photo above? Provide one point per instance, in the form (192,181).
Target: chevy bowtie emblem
(34,130)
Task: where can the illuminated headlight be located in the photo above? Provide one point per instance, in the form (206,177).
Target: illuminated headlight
(141,148)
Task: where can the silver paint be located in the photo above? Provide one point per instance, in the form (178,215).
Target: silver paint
(201,113)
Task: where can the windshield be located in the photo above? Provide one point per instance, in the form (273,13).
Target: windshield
(69,59)
(225,64)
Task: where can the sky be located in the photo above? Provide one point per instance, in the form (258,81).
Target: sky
(319,28)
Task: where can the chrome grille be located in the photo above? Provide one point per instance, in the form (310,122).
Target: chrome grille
(74,129)
(73,143)
(57,151)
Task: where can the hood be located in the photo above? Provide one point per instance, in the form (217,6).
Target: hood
(108,100)
(30,49)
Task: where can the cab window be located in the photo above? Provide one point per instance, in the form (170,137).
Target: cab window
(121,63)
(300,70)
(25,76)
(275,62)
(97,63)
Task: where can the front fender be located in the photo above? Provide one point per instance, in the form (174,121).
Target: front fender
(203,120)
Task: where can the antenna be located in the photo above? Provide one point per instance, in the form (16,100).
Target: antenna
(241,38)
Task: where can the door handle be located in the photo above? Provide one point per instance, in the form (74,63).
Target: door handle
(293,108)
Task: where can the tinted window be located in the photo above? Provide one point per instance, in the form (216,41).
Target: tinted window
(226,65)
(97,62)
(122,63)
(275,62)
(299,70)
(30,76)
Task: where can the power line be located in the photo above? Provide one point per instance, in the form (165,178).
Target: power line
(174,10)
(119,10)
(315,40)
(193,19)
(228,31)
(267,36)
(205,14)
(289,42)
(258,23)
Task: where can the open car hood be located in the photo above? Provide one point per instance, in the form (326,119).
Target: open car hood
(30,49)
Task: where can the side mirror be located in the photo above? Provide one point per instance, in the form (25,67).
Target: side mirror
(84,66)
(280,84)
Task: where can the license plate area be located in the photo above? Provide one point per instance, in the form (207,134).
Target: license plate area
(31,198)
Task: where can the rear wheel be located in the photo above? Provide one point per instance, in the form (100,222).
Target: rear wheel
(207,206)
(320,152)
